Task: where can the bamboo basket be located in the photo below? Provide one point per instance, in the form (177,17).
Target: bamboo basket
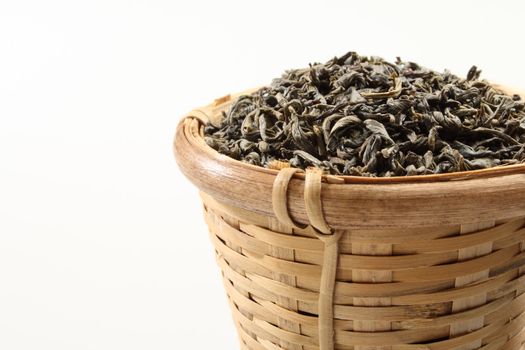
(309,261)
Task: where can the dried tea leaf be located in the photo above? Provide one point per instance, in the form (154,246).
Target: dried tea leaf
(364,116)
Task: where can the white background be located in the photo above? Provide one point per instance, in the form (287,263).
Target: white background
(102,242)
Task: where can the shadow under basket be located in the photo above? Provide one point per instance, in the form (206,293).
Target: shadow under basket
(311,261)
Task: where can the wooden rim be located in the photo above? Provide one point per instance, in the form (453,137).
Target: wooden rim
(351,201)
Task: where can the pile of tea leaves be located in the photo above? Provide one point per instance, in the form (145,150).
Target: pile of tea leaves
(364,116)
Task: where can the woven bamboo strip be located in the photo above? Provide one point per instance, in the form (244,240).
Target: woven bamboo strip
(366,275)
(483,287)
(259,263)
(260,282)
(400,262)
(285,301)
(472,301)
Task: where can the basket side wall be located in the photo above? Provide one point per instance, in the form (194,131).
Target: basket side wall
(446,287)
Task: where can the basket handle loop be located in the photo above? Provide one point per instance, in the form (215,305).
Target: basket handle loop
(312,200)
(279,199)
(330,238)
(313,203)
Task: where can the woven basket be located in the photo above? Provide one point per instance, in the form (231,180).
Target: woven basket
(339,262)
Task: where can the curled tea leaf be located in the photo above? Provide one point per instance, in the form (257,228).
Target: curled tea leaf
(344,122)
(377,128)
(364,116)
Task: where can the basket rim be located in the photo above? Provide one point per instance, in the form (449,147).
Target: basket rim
(500,189)
(211,111)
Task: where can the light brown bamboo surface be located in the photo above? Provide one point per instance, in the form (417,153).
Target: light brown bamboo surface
(426,295)
(314,262)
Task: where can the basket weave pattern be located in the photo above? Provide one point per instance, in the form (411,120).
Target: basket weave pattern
(432,288)
(312,262)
